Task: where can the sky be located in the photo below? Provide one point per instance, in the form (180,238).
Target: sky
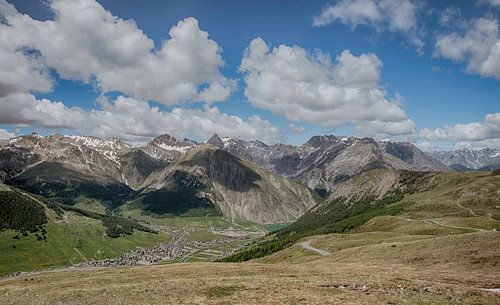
(427,72)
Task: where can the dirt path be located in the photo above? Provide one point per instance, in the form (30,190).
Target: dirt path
(434,222)
(469,210)
(307,245)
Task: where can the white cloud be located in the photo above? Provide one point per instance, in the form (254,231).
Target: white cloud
(379,129)
(296,129)
(21,69)
(392,15)
(133,120)
(5,134)
(488,129)
(350,13)
(478,47)
(87,43)
(302,86)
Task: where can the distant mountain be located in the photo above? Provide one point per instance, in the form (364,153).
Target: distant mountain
(210,179)
(168,148)
(468,159)
(216,141)
(109,160)
(243,180)
(86,156)
(321,163)
(324,161)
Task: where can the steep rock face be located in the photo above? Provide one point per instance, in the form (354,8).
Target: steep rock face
(324,161)
(136,166)
(168,148)
(241,190)
(468,159)
(216,141)
(13,161)
(414,157)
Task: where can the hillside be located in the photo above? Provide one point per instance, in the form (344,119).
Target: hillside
(60,182)
(37,234)
(466,202)
(210,180)
(391,270)
(440,249)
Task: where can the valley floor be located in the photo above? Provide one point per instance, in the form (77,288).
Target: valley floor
(362,268)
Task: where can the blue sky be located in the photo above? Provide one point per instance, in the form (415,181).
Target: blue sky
(435,90)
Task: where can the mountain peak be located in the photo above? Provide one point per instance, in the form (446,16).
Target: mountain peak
(216,141)
(164,139)
(317,141)
(167,147)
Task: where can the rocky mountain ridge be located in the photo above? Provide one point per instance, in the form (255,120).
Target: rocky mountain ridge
(324,161)
(320,163)
(469,159)
(242,180)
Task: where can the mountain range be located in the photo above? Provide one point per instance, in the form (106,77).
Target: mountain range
(242,180)
(468,159)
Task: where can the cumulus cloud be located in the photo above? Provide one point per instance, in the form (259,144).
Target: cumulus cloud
(5,134)
(21,69)
(478,46)
(488,129)
(392,15)
(303,86)
(133,120)
(379,129)
(85,42)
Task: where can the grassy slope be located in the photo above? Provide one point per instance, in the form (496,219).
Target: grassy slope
(68,244)
(70,240)
(446,202)
(366,271)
